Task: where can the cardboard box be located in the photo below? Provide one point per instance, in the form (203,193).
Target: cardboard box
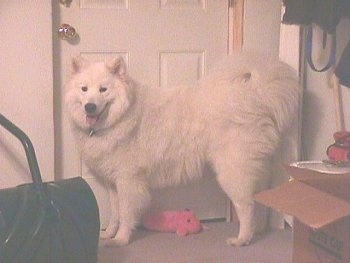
(319,202)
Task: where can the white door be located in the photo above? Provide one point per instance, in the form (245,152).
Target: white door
(164,42)
(26,87)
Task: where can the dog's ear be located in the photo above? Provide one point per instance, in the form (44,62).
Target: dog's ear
(78,63)
(117,66)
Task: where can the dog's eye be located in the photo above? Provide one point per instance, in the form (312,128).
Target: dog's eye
(84,88)
(103,89)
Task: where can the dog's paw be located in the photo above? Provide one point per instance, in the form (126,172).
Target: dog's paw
(106,234)
(114,242)
(237,242)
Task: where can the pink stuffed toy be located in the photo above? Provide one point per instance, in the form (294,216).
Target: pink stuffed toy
(182,222)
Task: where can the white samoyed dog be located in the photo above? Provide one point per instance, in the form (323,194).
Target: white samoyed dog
(138,137)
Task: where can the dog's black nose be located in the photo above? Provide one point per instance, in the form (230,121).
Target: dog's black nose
(90,107)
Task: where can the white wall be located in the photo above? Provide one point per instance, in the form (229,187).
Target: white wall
(26,86)
(319,115)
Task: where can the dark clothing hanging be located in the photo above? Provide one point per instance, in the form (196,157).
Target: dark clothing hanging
(324,13)
(343,68)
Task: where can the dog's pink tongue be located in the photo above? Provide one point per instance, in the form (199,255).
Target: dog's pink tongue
(91,120)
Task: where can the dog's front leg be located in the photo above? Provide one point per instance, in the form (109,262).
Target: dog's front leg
(133,198)
(113,224)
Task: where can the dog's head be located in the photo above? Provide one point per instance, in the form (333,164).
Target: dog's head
(98,93)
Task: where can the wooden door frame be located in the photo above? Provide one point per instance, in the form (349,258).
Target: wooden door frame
(235,27)
(235,43)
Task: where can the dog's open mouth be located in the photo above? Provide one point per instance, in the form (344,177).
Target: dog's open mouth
(92,119)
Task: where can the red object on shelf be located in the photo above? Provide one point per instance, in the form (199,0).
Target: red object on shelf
(340,149)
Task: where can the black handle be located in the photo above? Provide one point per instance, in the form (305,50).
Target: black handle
(28,147)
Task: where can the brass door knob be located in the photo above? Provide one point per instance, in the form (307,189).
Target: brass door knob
(67,32)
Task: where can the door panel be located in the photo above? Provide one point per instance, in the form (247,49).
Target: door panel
(171,67)
(164,42)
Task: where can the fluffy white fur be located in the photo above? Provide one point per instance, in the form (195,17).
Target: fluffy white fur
(140,137)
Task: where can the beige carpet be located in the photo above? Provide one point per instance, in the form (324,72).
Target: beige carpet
(209,246)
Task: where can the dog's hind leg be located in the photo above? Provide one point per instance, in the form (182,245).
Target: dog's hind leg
(245,214)
(113,224)
(239,188)
(133,198)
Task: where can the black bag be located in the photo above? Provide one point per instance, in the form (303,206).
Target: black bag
(343,68)
(55,222)
(324,13)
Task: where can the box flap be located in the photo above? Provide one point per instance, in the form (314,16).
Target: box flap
(305,174)
(336,184)
(311,206)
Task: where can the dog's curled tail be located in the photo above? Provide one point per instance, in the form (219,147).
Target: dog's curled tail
(267,85)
